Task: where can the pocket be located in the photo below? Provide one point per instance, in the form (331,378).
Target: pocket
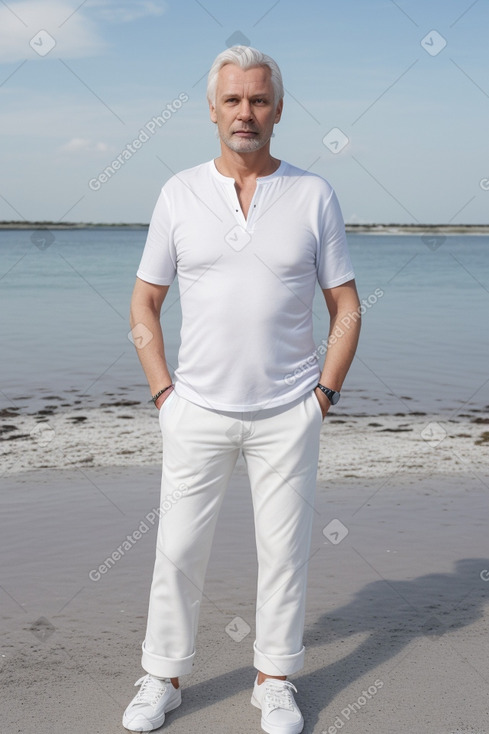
(320,410)
(166,403)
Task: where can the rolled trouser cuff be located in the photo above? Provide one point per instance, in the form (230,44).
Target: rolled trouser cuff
(278,664)
(162,667)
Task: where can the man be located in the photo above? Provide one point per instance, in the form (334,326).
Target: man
(248,236)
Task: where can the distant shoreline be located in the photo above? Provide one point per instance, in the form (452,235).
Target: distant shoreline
(354,228)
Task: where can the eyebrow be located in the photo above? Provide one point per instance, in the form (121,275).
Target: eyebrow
(238,94)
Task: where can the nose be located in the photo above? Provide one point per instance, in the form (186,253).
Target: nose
(244,112)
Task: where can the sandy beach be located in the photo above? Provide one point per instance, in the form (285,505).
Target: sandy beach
(396,628)
(125,433)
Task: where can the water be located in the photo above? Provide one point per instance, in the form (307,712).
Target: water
(65,307)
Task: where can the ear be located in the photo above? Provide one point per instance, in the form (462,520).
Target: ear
(278,111)
(212,112)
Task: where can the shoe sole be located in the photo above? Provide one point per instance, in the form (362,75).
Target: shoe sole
(271,729)
(157,723)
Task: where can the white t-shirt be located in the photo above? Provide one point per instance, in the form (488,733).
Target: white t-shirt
(246,286)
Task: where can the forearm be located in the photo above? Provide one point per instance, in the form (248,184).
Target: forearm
(152,354)
(344,331)
(339,357)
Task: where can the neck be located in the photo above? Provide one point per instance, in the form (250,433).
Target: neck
(242,166)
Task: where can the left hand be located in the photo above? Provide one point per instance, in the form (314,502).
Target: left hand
(163,397)
(323,401)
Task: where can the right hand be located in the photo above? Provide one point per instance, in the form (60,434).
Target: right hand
(323,401)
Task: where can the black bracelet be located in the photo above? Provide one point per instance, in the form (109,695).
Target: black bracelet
(154,398)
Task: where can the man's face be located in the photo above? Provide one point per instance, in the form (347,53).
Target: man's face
(245,110)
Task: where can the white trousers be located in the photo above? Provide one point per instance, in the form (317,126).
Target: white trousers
(200,448)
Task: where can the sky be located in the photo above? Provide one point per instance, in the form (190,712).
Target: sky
(389,101)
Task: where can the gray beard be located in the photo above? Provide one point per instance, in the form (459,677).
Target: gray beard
(243,146)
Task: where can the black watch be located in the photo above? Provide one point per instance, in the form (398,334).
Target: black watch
(332,395)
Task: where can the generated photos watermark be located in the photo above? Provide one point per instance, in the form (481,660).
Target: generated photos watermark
(335,531)
(345,324)
(42,238)
(145,134)
(140,335)
(346,713)
(144,526)
(238,629)
(42,43)
(42,628)
(433,43)
(43,433)
(433,433)
(335,140)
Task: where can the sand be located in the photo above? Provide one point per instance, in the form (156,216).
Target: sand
(126,433)
(397,616)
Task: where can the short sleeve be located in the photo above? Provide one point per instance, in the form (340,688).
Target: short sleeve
(158,263)
(334,266)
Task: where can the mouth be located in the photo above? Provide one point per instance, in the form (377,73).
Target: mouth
(245,133)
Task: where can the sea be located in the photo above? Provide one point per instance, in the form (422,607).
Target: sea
(65,335)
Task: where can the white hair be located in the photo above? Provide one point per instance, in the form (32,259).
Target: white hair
(247,58)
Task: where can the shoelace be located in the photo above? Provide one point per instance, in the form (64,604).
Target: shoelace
(278,693)
(151,690)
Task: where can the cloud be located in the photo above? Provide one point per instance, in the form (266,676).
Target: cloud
(82,145)
(54,28)
(120,11)
(61,28)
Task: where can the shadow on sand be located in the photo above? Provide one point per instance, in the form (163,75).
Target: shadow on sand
(393,613)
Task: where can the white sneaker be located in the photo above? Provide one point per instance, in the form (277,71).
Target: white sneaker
(148,708)
(279,711)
